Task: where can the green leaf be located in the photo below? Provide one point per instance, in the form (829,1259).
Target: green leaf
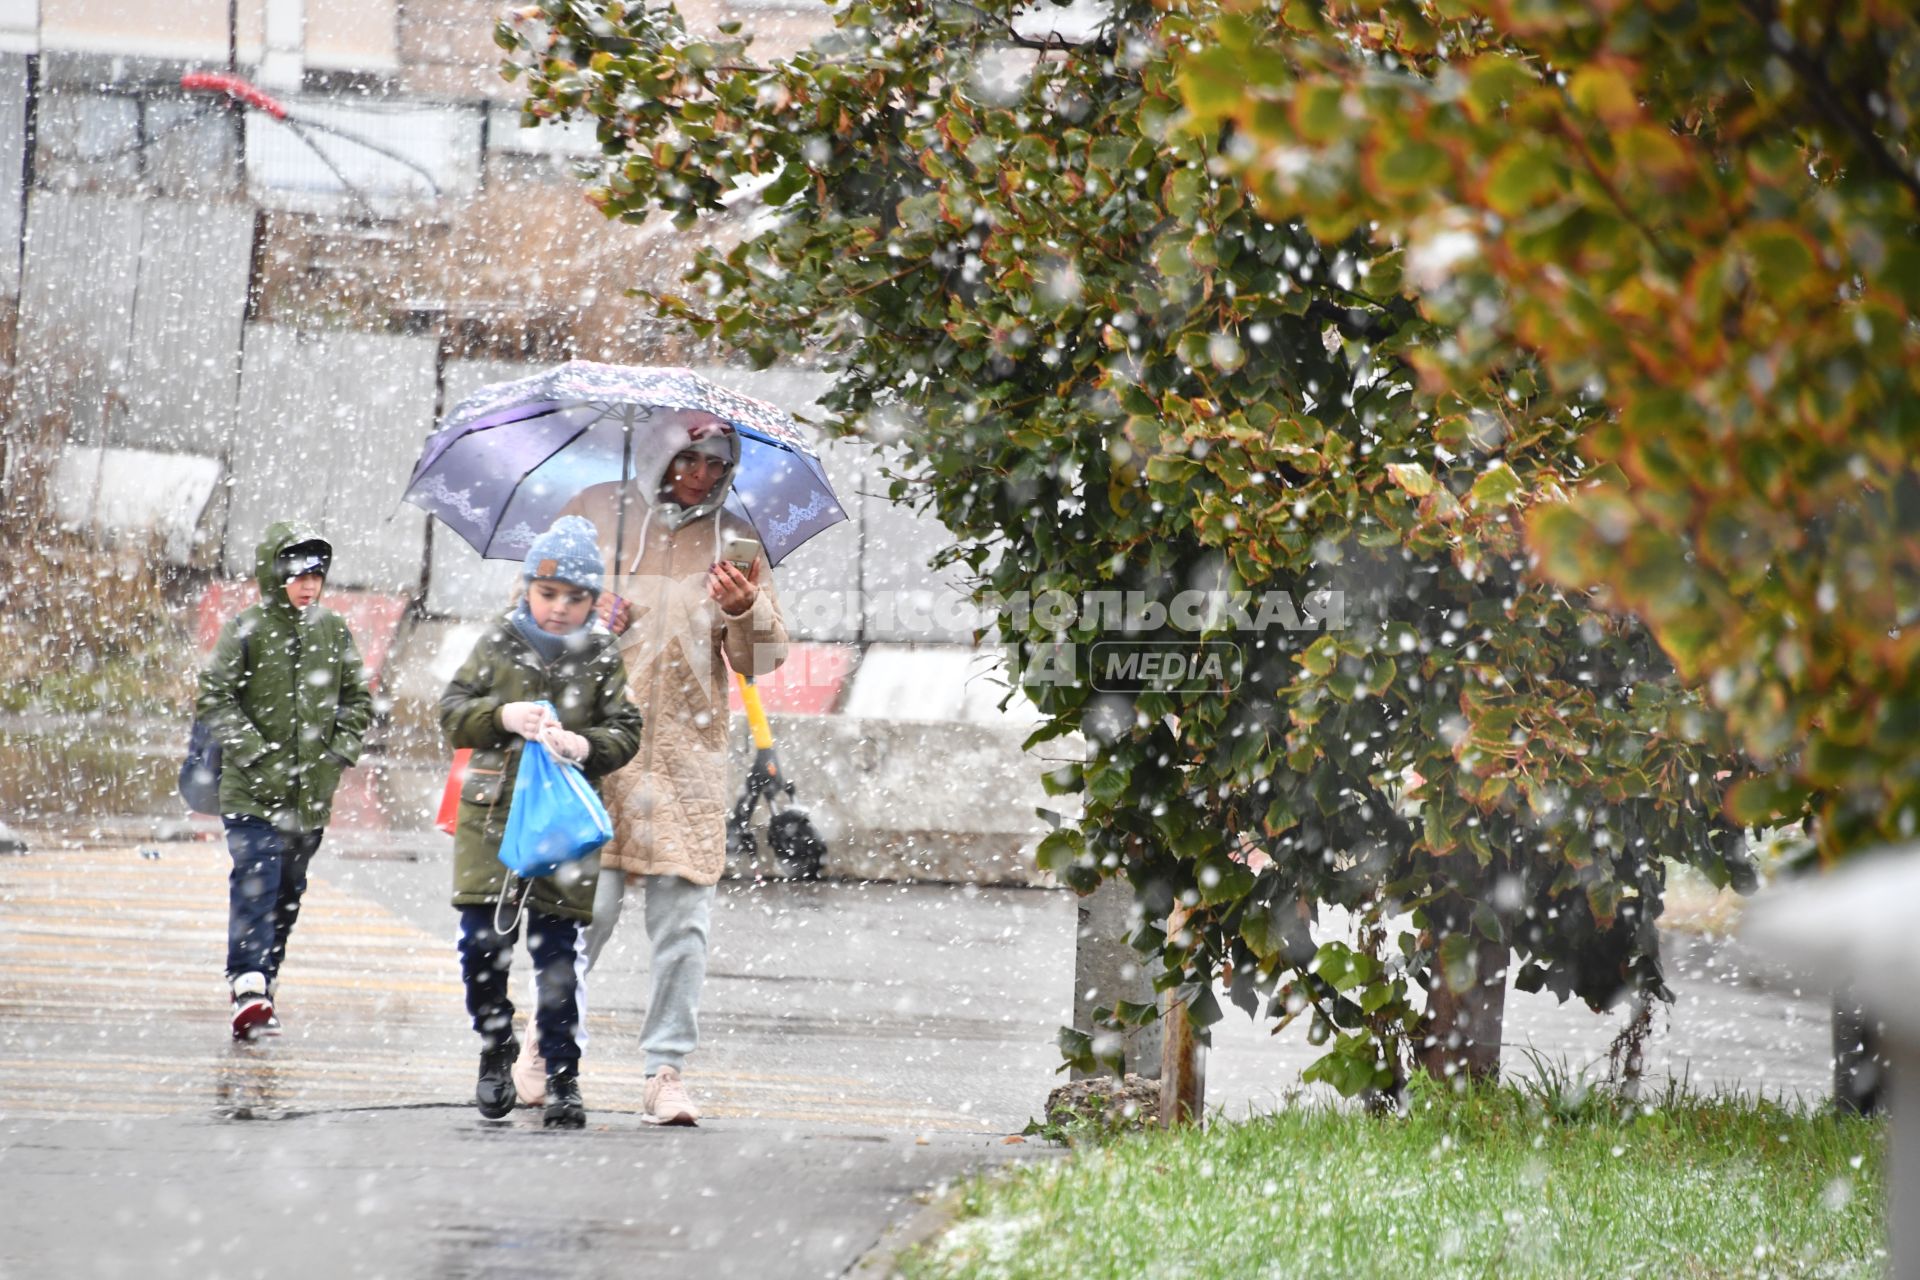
(1264,928)
(1221,879)
(1107,783)
(1183,193)
(1279,817)
(1320,656)
(1603,899)
(1410,164)
(1350,1068)
(1497,486)
(1496,80)
(1169,468)
(1782,259)
(1603,91)
(1210,94)
(792,179)
(919,214)
(1523,175)
(1767,801)
(1343,968)
(1412,477)
(1170,257)
(1076,1049)
(1318,113)
(1059,850)
(1564,542)
(1066,780)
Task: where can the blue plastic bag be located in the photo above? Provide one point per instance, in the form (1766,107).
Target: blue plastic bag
(554,816)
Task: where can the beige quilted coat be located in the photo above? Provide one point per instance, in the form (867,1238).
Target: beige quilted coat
(669,804)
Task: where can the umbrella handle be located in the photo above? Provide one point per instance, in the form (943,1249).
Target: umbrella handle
(756,714)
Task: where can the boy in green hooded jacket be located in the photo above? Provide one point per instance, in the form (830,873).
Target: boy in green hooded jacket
(286,697)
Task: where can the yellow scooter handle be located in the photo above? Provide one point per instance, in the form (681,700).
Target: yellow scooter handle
(756,714)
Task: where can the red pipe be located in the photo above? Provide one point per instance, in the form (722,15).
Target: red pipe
(233,87)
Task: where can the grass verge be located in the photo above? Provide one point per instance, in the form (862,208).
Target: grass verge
(1511,1182)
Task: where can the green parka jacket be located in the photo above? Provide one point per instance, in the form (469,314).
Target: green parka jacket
(589,690)
(286,696)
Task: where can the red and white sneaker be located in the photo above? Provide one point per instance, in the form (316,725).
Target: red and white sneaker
(252,1008)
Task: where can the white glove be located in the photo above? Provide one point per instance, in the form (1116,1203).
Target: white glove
(524,718)
(565,743)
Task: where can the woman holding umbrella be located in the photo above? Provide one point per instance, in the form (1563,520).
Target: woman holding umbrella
(678,604)
(695,492)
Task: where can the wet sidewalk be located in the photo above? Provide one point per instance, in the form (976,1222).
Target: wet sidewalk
(862,1043)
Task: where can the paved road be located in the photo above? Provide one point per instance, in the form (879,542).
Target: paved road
(863,1044)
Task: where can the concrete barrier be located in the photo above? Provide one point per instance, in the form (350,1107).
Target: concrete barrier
(899,800)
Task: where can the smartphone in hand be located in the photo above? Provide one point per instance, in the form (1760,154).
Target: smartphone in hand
(741,552)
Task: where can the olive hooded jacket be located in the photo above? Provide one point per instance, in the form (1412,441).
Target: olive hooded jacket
(286,696)
(588,690)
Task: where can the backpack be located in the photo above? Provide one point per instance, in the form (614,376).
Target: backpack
(199,783)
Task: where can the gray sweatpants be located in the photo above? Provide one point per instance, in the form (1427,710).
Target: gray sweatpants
(677,916)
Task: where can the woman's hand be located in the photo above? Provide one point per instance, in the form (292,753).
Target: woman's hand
(615,612)
(731,589)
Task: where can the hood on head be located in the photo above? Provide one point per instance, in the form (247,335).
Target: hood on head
(654,445)
(280,536)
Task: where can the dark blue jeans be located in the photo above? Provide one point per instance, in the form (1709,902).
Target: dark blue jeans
(263,893)
(559,955)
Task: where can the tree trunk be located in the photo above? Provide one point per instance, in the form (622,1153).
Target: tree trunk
(1627,1055)
(1461,1035)
(1183,1075)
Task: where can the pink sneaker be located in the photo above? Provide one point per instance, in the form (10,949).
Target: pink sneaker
(530,1071)
(667,1101)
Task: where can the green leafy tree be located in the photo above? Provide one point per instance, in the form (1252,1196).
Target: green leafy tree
(1107,370)
(1701,217)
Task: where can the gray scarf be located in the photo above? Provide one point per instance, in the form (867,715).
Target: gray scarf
(545,643)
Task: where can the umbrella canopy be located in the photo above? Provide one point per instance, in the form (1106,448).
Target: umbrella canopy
(506,459)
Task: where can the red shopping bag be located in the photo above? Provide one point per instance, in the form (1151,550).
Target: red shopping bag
(449,819)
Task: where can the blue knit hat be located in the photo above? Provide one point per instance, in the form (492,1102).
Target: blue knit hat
(570,553)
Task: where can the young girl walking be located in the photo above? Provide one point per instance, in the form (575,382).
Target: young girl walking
(542,651)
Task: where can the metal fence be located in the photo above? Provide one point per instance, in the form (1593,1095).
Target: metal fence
(15,85)
(327,430)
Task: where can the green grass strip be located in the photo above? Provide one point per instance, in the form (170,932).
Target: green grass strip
(1500,1183)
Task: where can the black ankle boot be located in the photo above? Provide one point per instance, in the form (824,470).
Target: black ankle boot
(493,1092)
(565,1110)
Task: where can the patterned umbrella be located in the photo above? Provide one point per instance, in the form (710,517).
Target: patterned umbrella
(506,459)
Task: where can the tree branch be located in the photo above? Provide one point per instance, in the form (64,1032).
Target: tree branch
(1618,201)
(871,285)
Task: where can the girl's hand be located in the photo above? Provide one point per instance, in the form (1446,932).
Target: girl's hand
(731,589)
(524,718)
(564,743)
